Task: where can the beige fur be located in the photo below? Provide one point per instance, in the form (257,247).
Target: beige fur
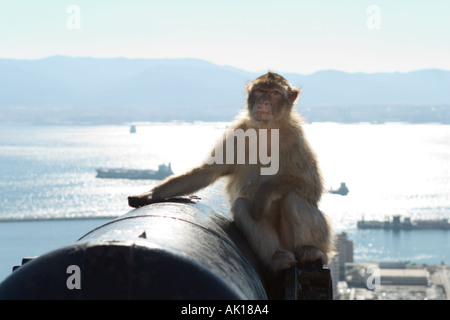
(278,213)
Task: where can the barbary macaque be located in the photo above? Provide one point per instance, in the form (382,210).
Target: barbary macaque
(278,211)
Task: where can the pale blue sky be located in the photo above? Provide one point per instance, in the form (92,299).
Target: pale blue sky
(288,36)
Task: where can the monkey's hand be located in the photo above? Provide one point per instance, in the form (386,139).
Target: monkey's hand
(143,199)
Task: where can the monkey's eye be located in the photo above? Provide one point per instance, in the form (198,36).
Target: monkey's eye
(275,93)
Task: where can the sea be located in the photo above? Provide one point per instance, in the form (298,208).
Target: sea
(50,196)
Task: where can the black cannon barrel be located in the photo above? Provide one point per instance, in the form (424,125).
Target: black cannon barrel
(169,250)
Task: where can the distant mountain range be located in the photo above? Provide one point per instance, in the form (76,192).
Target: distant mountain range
(65,90)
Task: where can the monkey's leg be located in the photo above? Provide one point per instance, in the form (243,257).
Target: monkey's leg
(262,237)
(305,229)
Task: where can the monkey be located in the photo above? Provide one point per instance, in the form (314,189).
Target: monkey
(277,213)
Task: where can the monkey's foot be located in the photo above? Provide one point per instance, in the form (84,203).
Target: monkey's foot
(281,259)
(305,254)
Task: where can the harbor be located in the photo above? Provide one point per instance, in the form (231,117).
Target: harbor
(163,172)
(396,223)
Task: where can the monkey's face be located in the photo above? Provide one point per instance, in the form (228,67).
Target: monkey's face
(268,103)
(270,98)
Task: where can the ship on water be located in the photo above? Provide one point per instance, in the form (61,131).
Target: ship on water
(397,224)
(163,172)
(343,190)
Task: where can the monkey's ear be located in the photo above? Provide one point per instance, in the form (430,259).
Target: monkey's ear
(294,94)
(249,86)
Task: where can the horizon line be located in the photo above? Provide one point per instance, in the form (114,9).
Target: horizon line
(214,63)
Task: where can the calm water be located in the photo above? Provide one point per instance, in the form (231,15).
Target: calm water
(49,172)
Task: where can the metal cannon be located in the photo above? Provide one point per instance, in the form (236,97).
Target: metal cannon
(177,249)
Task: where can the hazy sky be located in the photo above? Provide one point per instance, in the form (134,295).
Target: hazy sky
(289,36)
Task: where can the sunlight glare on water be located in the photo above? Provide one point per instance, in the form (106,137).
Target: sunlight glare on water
(49,172)
(389,169)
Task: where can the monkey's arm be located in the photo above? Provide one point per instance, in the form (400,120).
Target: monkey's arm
(184,184)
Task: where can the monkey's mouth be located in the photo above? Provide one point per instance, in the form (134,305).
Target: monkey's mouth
(263,115)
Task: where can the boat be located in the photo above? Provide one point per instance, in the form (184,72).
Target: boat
(343,190)
(136,174)
(397,224)
(132,128)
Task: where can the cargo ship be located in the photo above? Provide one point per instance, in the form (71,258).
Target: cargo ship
(397,224)
(343,190)
(162,172)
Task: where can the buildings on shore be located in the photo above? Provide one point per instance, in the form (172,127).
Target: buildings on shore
(385,280)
